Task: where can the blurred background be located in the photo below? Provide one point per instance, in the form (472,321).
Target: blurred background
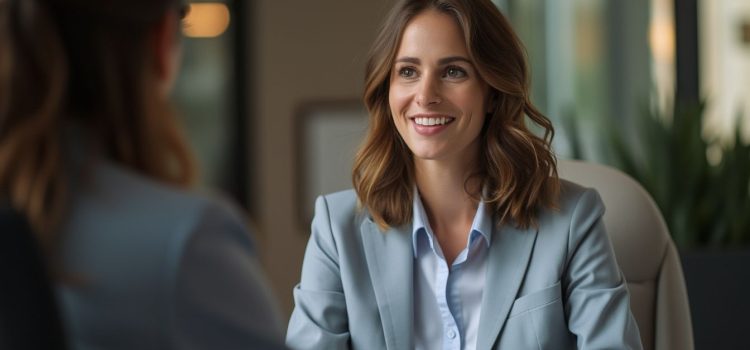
(658,88)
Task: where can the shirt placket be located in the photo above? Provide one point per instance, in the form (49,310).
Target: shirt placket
(451,334)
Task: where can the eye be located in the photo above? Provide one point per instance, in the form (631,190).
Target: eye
(454,72)
(407,72)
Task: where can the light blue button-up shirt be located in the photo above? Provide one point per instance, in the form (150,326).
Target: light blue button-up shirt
(447,300)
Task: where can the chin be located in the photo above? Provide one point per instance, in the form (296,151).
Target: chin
(426,150)
(428,155)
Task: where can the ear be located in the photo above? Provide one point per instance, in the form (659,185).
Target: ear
(164,41)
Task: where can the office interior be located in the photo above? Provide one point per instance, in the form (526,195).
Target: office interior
(262,80)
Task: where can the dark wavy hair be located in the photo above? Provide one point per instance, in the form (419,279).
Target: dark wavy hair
(82,62)
(516,168)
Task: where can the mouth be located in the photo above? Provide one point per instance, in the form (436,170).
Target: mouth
(432,120)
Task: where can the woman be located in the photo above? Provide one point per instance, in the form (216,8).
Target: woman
(91,155)
(458,234)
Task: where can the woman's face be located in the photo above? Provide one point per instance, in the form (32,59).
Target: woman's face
(437,99)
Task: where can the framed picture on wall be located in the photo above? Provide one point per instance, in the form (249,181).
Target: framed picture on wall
(328,134)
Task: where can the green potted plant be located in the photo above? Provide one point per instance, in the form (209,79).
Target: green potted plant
(706,205)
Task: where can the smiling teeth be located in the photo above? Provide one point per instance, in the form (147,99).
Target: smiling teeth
(432,121)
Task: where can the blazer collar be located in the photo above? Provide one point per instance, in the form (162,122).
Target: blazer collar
(390,262)
(482,223)
(507,261)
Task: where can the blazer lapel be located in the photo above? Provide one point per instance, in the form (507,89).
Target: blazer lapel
(509,255)
(390,260)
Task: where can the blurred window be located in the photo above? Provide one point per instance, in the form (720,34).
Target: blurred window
(591,63)
(208,94)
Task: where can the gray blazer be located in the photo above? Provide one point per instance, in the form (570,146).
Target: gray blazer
(155,267)
(557,286)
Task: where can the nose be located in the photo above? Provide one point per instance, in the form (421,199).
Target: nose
(428,92)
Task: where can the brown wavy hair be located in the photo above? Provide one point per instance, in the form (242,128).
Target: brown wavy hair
(81,62)
(517,169)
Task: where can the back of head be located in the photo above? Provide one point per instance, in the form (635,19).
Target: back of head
(88,64)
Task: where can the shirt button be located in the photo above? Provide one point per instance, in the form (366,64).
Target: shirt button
(451,333)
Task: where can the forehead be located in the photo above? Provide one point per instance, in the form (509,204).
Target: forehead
(432,33)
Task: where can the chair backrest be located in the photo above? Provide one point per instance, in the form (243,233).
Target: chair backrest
(645,252)
(29,317)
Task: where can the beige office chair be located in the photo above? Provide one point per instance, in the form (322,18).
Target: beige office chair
(645,253)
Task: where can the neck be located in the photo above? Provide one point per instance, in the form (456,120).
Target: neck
(448,194)
(449,201)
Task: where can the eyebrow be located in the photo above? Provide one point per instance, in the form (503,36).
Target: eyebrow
(442,61)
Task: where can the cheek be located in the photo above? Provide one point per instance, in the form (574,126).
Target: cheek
(393,109)
(396,105)
(393,112)
(472,99)
(398,100)
(473,102)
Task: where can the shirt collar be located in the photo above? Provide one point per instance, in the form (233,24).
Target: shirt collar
(481,226)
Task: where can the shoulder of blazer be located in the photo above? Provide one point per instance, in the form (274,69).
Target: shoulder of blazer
(343,207)
(574,201)
(573,196)
(147,211)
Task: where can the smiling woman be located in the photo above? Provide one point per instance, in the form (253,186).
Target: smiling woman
(437,99)
(496,70)
(458,233)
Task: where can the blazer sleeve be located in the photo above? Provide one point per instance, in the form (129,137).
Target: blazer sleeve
(319,319)
(221,299)
(597,300)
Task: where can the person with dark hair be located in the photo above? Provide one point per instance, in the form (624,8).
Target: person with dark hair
(92,156)
(458,233)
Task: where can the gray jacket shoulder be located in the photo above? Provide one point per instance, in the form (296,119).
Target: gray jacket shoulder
(342,208)
(134,240)
(343,202)
(574,199)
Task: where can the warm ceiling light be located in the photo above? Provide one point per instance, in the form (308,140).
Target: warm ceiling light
(206,20)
